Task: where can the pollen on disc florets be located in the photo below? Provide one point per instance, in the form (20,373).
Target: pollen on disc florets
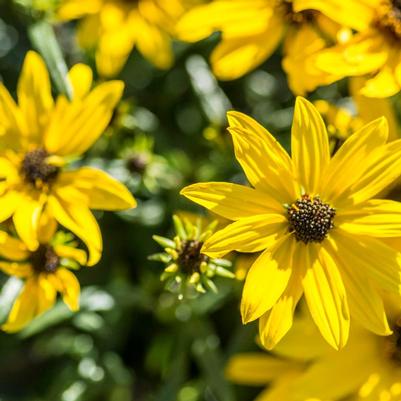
(45,259)
(36,169)
(190,256)
(310,219)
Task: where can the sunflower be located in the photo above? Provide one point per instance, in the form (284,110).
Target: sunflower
(253,29)
(45,272)
(38,138)
(304,368)
(114,27)
(374,51)
(313,216)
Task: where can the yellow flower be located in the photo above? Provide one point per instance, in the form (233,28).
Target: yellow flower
(114,27)
(38,138)
(253,29)
(315,221)
(375,51)
(44,271)
(303,368)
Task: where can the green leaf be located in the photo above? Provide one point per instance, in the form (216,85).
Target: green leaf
(45,42)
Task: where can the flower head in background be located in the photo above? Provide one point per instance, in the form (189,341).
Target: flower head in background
(114,27)
(374,51)
(45,271)
(315,219)
(189,272)
(38,139)
(251,30)
(304,368)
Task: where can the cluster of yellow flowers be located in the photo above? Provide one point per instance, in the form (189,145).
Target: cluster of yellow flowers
(319,218)
(39,138)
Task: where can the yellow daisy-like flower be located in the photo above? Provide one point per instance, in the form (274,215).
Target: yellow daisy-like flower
(375,51)
(114,27)
(38,138)
(314,218)
(253,29)
(304,368)
(45,272)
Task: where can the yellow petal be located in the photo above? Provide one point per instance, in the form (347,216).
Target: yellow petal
(267,279)
(383,84)
(12,248)
(20,270)
(265,163)
(381,170)
(376,218)
(380,262)
(365,303)
(313,345)
(300,46)
(363,54)
(46,294)
(81,222)
(47,227)
(154,44)
(75,128)
(326,297)
(239,18)
(12,119)
(69,252)
(235,57)
(343,12)
(350,367)
(71,9)
(103,191)
(370,109)
(24,308)
(354,155)
(9,202)
(34,95)
(70,288)
(80,76)
(26,220)
(310,146)
(275,323)
(255,369)
(231,201)
(251,234)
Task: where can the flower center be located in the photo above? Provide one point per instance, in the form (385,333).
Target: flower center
(310,219)
(389,18)
(45,259)
(190,256)
(36,170)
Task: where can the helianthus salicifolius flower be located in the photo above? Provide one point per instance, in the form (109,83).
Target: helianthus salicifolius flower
(374,51)
(45,271)
(39,137)
(251,30)
(315,219)
(189,272)
(114,27)
(303,368)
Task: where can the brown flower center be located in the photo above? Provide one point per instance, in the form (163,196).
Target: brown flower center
(36,170)
(45,259)
(389,19)
(190,256)
(310,219)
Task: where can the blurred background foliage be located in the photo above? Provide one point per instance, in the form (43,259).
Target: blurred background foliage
(133,340)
